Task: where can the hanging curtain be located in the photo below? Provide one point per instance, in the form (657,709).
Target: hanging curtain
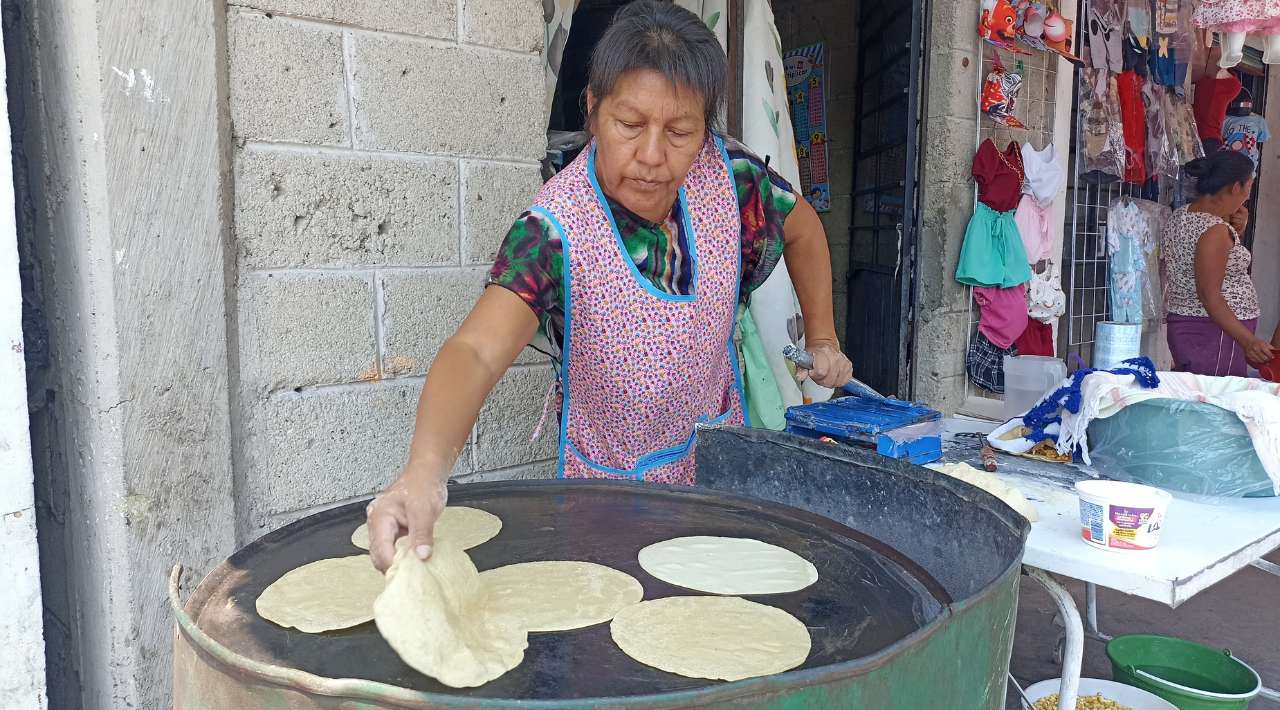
(558,16)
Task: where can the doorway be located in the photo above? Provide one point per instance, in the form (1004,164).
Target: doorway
(872,54)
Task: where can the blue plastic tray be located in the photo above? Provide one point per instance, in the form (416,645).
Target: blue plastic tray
(858,419)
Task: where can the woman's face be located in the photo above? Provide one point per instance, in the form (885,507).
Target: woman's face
(648,133)
(1239,193)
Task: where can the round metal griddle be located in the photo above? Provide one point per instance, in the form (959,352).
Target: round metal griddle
(867,595)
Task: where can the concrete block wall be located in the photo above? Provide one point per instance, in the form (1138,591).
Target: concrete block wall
(381,151)
(946,201)
(802,23)
(952,128)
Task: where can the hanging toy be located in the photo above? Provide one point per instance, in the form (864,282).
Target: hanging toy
(1000,94)
(1031,15)
(1057,34)
(999,25)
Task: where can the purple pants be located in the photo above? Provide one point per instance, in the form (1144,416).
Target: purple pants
(1199,346)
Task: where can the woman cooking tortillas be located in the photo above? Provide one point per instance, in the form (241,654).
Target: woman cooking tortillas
(632,260)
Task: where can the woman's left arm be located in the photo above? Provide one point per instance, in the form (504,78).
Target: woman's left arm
(809,263)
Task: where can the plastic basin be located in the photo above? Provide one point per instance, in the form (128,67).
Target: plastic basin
(1189,675)
(1136,698)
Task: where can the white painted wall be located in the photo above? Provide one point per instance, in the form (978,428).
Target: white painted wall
(1266,237)
(22,679)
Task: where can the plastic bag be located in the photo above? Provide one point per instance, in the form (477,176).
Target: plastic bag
(1186,446)
(1103,134)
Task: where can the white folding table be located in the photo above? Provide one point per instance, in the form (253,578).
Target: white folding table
(1204,541)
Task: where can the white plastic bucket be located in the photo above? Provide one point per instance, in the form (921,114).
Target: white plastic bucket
(1126,695)
(1121,516)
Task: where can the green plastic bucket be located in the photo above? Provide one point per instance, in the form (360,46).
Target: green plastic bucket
(1191,676)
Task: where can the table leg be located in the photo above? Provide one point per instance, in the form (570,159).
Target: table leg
(1073,653)
(1091,613)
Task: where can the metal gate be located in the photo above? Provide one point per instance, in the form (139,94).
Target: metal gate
(882,232)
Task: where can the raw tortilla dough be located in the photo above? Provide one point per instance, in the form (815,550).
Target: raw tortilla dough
(727,565)
(722,638)
(992,484)
(558,596)
(433,615)
(468,526)
(323,596)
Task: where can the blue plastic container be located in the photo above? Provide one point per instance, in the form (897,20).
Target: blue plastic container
(856,420)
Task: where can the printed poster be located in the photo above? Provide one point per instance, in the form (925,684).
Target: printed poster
(807,95)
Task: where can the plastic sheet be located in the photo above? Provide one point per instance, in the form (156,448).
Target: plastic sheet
(1186,446)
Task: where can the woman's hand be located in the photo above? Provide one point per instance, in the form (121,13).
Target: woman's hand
(1239,219)
(1258,351)
(830,366)
(410,506)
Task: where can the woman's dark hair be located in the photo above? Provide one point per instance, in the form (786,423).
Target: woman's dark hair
(668,39)
(1220,170)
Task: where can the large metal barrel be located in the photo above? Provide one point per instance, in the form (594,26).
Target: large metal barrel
(914,607)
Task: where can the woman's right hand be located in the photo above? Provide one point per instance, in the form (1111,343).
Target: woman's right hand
(410,506)
(1258,351)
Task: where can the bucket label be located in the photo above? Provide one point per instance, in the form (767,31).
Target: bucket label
(1091,522)
(1129,520)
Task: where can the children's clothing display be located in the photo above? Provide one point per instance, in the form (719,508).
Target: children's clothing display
(1002,313)
(1134,117)
(1106,35)
(1036,339)
(1246,134)
(1032,220)
(1104,149)
(1180,124)
(992,253)
(1213,94)
(985,362)
(1129,239)
(1045,300)
(1232,20)
(1172,40)
(999,175)
(1045,171)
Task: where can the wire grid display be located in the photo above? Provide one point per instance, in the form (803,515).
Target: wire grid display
(1085,256)
(1036,108)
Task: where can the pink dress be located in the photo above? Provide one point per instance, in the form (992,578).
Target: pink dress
(641,367)
(1238,15)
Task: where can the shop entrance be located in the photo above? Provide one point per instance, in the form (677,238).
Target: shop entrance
(872,67)
(871,58)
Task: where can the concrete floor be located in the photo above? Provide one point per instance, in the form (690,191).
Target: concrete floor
(1241,613)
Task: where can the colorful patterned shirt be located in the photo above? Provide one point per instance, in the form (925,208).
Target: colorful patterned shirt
(530,262)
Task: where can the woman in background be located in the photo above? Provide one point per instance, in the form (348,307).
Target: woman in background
(1212,303)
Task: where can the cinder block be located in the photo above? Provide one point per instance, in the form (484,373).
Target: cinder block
(494,194)
(418,97)
(298,330)
(320,447)
(430,18)
(286,81)
(941,354)
(295,209)
(510,416)
(420,310)
(506,24)
(949,148)
(952,83)
(941,235)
